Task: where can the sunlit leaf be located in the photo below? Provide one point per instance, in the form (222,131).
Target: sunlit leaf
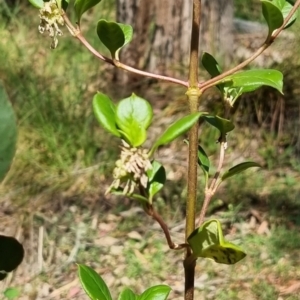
(11,293)
(253,79)
(127,294)
(104,111)
(208,241)
(93,284)
(158,292)
(133,116)
(175,130)
(37,3)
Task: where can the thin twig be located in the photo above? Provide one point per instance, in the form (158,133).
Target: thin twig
(155,215)
(212,189)
(77,34)
(268,42)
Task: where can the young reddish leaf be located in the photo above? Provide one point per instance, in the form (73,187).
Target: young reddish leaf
(93,284)
(8,133)
(239,168)
(272,15)
(104,111)
(175,130)
(133,116)
(157,292)
(127,294)
(81,6)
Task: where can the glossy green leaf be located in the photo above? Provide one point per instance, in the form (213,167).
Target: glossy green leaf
(128,33)
(37,3)
(272,15)
(175,130)
(114,36)
(11,293)
(239,168)
(11,254)
(223,125)
(133,116)
(253,79)
(157,179)
(158,292)
(8,133)
(93,284)
(211,65)
(81,6)
(208,241)
(104,110)
(285,9)
(64,4)
(127,294)
(203,161)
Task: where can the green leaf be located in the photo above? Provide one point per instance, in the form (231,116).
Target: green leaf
(114,36)
(211,65)
(157,179)
(175,130)
(11,254)
(158,292)
(65,4)
(137,197)
(81,6)
(285,11)
(208,241)
(127,294)
(11,293)
(37,3)
(239,168)
(104,111)
(223,125)
(203,160)
(133,117)
(93,284)
(253,79)
(8,133)
(272,15)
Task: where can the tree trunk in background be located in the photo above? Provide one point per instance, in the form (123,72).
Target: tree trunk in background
(162,31)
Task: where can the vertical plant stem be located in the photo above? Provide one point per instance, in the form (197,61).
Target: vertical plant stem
(193,94)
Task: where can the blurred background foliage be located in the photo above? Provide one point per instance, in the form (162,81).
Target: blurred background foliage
(64,158)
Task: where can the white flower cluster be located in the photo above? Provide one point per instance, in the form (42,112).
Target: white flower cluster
(131,168)
(51,18)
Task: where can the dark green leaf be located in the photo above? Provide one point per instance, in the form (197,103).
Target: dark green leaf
(157,179)
(133,117)
(239,168)
(223,125)
(64,4)
(81,6)
(137,197)
(8,133)
(252,79)
(11,254)
(93,284)
(127,294)
(37,3)
(175,130)
(11,293)
(111,35)
(272,15)
(158,292)
(211,65)
(104,111)
(203,160)
(208,241)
